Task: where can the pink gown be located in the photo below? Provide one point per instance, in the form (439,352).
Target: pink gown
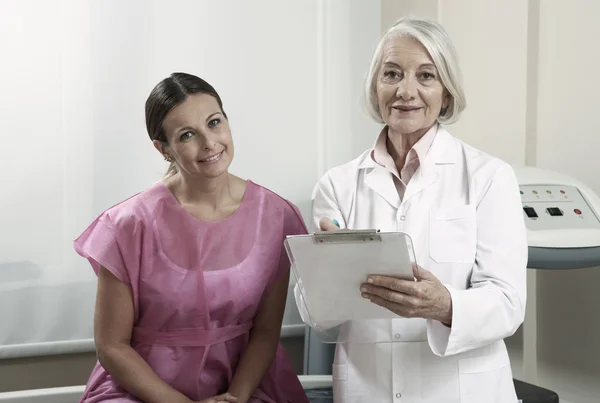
(196,288)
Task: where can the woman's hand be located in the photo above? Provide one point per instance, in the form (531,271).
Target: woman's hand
(326,224)
(224,398)
(425,298)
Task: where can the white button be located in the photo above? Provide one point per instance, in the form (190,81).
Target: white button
(397,336)
(402,218)
(398,395)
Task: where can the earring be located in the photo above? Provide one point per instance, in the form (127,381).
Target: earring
(168,159)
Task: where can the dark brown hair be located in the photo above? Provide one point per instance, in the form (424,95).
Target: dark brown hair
(169,93)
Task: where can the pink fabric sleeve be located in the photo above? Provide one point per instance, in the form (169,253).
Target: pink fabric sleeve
(293,224)
(99,245)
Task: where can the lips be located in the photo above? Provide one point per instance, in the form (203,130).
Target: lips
(212,158)
(406,108)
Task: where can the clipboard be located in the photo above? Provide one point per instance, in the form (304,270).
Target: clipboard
(329,268)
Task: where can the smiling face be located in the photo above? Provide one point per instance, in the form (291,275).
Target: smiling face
(198,137)
(410,93)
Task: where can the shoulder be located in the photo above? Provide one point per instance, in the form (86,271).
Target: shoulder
(279,206)
(343,177)
(482,168)
(274,201)
(135,210)
(349,169)
(481,161)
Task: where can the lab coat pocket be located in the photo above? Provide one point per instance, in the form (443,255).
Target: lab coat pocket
(453,234)
(486,379)
(340,382)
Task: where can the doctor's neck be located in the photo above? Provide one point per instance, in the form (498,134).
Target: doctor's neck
(399,144)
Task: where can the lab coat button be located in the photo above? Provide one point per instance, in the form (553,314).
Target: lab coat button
(402,218)
(397,336)
(398,395)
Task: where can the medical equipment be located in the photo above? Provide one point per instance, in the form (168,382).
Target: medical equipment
(561,215)
(563,233)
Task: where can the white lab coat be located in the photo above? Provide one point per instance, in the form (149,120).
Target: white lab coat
(463,210)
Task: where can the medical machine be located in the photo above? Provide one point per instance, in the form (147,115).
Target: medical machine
(562,216)
(562,219)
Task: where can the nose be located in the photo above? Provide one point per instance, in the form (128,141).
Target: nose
(207,142)
(406,88)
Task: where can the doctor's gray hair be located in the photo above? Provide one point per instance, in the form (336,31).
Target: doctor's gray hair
(441,49)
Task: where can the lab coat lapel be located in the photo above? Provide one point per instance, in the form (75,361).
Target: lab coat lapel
(443,151)
(380,180)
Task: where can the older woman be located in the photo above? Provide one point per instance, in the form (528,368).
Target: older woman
(461,208)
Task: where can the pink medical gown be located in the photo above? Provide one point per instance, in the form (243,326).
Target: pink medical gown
(196,288)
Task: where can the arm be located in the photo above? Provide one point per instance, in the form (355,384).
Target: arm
(493,307)
(264,340)
(113,324)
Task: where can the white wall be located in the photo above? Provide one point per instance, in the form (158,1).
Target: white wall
(32,152)
(346,51)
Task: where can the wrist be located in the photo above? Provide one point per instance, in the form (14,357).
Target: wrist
(446,318)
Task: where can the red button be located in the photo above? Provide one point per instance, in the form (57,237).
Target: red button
(577,211)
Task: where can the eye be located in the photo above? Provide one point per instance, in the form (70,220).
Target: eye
(214,122)
(186,135)
(391,74)
(427,76)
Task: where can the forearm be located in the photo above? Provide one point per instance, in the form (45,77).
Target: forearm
(254,364)
(133,374)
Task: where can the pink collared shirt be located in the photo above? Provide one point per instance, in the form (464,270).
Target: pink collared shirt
(418,152)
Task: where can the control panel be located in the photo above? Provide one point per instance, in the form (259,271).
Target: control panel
(556,207)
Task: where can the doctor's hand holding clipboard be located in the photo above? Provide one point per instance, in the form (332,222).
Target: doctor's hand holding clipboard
(426,297)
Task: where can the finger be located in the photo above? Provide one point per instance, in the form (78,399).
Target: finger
(400,310)
(326,224)
(392,283)
(422,274)
(230,398)
(226,397)
(389,295)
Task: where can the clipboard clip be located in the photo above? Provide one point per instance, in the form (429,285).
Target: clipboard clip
(347,236)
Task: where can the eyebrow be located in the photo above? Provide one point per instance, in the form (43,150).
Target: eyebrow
(426,65)
(179,129)
(212,116)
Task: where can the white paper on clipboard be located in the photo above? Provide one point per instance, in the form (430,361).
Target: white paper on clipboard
(330,267)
